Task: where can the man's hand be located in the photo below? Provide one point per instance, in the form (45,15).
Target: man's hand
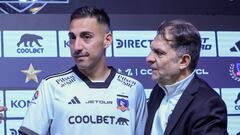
(2,108)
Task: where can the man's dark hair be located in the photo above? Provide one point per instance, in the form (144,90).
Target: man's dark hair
(91,11)
(185,39)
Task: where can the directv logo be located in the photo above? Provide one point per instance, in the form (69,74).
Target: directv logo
(236,48)
(132,43)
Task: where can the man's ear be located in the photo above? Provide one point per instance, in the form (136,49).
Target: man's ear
(184,61)
(108,40)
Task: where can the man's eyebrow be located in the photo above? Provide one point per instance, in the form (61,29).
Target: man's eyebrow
(86,32)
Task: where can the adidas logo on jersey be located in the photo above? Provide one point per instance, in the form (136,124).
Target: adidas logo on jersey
(74,100)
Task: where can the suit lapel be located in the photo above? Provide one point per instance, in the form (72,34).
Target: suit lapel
(156,97)
(182,105)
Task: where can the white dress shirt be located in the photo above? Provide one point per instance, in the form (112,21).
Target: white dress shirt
(173,93)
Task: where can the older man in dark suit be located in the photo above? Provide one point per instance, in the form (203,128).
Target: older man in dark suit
(181,103)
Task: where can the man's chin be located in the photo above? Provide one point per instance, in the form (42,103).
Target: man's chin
(154,78)
(82,66)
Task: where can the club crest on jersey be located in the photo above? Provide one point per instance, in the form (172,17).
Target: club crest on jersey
(122,104)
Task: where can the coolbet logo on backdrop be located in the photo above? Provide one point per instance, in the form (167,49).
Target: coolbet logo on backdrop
(228,44)
(237,102)
(30,44)
(25,6)
(64,50)
(238,98)
(208,44)
(231,97)
(234,71)
(132,43)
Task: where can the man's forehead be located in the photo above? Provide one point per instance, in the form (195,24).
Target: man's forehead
(160,40)
(88,24)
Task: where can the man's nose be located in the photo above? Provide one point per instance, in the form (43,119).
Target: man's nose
(77,45)
(150,58)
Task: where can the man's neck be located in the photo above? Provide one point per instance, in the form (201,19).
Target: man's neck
(177,78)
(96,74)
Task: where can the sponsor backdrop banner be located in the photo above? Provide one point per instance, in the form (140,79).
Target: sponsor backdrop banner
(35,46)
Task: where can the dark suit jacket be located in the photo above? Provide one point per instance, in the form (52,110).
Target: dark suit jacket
(199,111)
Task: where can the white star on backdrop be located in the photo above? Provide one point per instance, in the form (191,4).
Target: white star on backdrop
(31,74)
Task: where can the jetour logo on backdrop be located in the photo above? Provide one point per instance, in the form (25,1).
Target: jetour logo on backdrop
(29,44)
(25,6)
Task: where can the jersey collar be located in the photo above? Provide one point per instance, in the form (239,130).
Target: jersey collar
(91,84)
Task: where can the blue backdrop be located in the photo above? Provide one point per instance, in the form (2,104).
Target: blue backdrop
(22,66)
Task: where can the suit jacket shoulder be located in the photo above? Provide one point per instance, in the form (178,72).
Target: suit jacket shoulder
(200,110)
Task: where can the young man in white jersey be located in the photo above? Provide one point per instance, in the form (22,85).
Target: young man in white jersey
(90,98)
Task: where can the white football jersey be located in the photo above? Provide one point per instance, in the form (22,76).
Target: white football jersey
(69,103)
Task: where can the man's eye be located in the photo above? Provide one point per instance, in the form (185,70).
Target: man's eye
(87,36)
(71,36)
(159,53)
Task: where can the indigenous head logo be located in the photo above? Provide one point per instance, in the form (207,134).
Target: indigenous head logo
(122,104)
(234,71)
(25,6)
